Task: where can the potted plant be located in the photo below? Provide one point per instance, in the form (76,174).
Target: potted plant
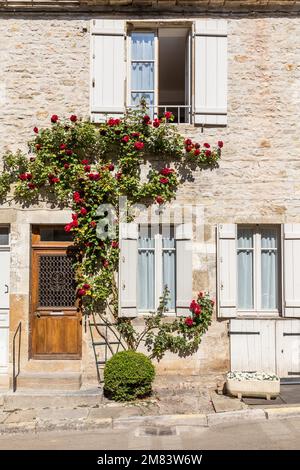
(253,384)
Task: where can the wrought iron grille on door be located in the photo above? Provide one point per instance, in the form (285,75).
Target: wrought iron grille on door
(56,281)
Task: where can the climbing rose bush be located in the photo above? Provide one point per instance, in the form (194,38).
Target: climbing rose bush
(76,164)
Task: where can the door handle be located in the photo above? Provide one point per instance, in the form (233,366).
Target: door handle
(6,289)
(37,314)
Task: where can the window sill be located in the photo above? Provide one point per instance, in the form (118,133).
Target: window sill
(259,315)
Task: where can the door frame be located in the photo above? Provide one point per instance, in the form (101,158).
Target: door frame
(39,247)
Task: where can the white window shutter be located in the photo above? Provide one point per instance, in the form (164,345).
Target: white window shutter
(227,271)
(291,270)
(4,279)
(184,269)
(108,69)
(128,270)
(210,100)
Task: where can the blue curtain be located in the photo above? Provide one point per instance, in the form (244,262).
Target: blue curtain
(269,270)
(142,68)
(146,276)
(169,263)
(245,269)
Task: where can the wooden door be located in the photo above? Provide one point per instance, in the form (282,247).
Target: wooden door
(55,319)
(288,348)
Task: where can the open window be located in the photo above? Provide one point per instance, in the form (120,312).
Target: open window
(160,71)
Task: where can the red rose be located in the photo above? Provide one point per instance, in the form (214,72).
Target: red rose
(220,144)
(197,146)
(166,171)
(113,122)
(197,152)
(159,200)
(85,162)
(189,148)
(75,223)
(197,309)
(156,122)
(114,244)
(87,168)
(146,119)
(31,186)
(111,167)
(86,286)
(164,180)
(62,146)
(69,152)
(35,130)
(206,145)
(23,176)
(125,139)
(76,197)
(81,292)
(74,216)
(118,175)
(54,118)
(93,224)
(105,263)
(168,115)
(193,304)
(208,153)
(73,118)
(139,145)
(135,134)
(66,166)
(188,142)
(83,211)
(28,176)
(54,180)
(94,176)
(189,321)
(32,159)
(38,146)
(68,227)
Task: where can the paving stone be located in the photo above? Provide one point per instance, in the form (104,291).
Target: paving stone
(235,416)
(62,414)
(21,416)
(282,413)
(114,412)
(223,403)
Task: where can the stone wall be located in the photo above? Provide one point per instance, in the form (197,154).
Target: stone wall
(45,69)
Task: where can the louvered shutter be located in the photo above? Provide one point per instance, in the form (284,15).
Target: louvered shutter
(108,80)
(184,268)
(291,270)
(128,270)
(227,271)
(210,88)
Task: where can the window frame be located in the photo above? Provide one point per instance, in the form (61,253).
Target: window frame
(257,310)
(6,247)
(158,268)
(155,65)
(150,27)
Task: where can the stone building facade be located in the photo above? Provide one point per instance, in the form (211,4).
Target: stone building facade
(46,68)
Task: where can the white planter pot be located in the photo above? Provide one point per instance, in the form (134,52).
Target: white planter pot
(253,388)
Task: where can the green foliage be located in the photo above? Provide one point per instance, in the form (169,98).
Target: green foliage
(128,375)
(81,166)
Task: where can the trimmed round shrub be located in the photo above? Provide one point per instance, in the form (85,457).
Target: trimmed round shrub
(128,375)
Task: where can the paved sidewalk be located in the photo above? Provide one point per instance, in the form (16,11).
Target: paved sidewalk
(181,404)
(258,435)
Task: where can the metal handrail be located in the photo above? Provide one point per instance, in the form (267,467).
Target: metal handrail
(167,107)
(18,330)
